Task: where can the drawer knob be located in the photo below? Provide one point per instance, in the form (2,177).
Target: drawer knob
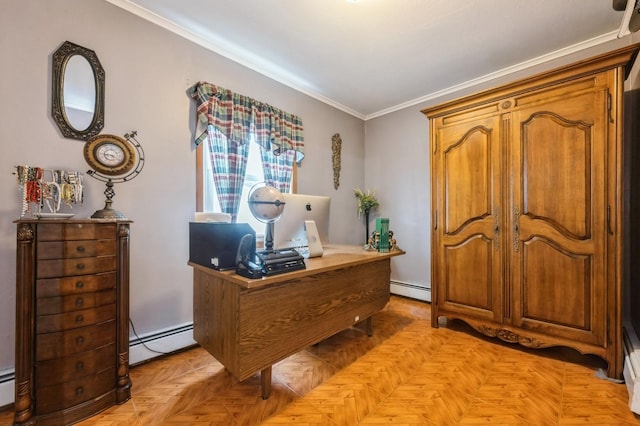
(79,284)
(80,266)
(79,391)
(79,318)
(79,365)
(80,249)
(79,340)
(79,301)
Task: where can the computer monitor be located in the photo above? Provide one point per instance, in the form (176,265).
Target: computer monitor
(289,230)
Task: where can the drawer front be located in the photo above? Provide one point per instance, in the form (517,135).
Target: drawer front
(79,266)
(75,231)
(74,302)
(65,395)
(75,249)
(77,319)
(65,343)
(75,285)
(74,367)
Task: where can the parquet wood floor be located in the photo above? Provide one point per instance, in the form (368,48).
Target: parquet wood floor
(407,373)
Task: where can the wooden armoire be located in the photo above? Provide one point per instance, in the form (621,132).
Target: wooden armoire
(526,196)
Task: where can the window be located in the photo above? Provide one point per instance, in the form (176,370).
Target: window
(232,124)
(207,199)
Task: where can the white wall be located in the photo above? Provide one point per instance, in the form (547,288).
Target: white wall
(148,71)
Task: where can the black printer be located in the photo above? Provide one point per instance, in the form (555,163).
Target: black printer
(215,244)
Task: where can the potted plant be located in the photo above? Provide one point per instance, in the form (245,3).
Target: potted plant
(366,202)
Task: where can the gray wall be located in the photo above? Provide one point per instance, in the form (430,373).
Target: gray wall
(148,71)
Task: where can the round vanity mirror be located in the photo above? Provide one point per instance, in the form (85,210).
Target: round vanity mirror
(77,101)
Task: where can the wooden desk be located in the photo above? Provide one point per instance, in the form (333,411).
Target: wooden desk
(248,325)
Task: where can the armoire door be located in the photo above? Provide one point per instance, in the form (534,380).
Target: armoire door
(466,174)
(558,215)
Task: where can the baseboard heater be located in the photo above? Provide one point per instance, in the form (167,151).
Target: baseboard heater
(414,291)
(631,371)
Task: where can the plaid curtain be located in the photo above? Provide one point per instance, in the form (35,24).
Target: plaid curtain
(229,163)
(280,137)
(227,120)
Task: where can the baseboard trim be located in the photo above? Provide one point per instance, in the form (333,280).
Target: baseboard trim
(411,290)
(7,387)
(631,370)
(163,342)
(141,349)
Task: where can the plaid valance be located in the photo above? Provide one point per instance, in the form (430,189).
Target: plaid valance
(237,117)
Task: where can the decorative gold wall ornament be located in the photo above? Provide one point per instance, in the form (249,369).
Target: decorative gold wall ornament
(336,146)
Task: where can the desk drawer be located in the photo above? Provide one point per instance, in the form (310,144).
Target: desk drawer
(74,302)
(79,266)
(74,367)
(75,285)
(75,231)
(65,343)
(64,395)
(76,319)
(75,249)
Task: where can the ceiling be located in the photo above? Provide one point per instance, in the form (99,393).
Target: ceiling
(371,57)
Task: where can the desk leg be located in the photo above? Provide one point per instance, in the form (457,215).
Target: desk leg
(265,382)
(369,326)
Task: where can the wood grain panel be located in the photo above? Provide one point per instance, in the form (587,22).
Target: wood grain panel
(557,160)
(78,230)
(75,249)
(61,344)
(215,316)
(468,274)
(75,285)
(276,322)
(468,178)
(75,319)
(80,266)
(56,305)
(73,392)
(73,367)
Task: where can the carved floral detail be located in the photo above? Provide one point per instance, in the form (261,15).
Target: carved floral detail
(510,337)
(25,232)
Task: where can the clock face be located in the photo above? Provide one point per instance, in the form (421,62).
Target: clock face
(110,155)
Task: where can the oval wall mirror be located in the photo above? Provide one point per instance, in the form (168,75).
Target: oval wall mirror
(77,101)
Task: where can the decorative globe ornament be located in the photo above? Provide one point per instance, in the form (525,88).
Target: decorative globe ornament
(266,204)
(113,160)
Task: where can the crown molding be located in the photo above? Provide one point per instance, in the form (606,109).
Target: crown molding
(268,70)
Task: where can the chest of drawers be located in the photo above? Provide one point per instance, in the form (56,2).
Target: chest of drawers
(72,315)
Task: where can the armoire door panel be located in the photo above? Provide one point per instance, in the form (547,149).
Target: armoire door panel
(467,162)
(470,278)
(559,201)
(552,279)
(556,160)
(560,292)
(469,235)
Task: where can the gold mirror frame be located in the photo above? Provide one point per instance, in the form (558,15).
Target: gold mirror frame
(58,110)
